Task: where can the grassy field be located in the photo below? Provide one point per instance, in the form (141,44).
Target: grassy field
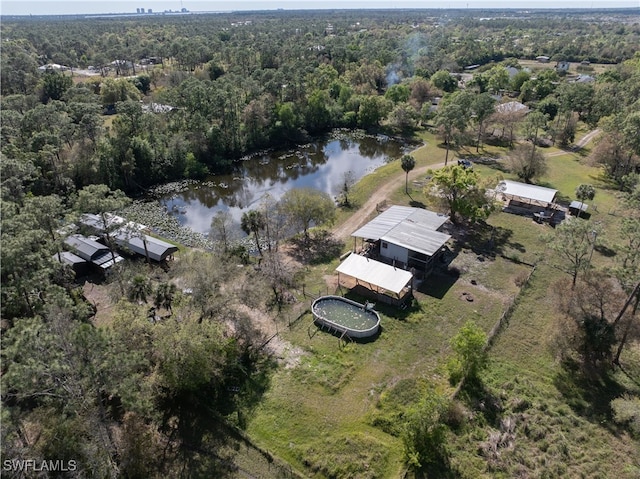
(338,411)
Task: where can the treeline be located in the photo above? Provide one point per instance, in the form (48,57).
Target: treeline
(214,88)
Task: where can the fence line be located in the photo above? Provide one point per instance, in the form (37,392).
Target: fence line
(498,327)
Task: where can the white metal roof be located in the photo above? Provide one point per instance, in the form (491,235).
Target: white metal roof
(529,192)
(382,224)
(375,273)
(512,107)
(415,237)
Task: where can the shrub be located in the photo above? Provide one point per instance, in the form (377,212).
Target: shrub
(626,412)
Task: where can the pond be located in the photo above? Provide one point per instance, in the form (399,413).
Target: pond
(320,165)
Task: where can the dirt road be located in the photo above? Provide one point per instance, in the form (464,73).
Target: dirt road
(362,215)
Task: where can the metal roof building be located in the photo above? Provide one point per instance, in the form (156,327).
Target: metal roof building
(386,221)
(92,251)
(379,276)
(157,249)
(526,192)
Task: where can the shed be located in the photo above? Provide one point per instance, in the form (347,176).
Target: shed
(75,262)
(526,193)
(143,244)
(578,207)
(92,251)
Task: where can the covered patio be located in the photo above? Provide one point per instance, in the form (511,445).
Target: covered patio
(535,201)
(381,281)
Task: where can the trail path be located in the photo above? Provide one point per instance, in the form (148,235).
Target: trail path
(362,215)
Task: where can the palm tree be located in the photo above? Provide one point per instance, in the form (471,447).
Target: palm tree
(408,162)
(139,288)
(253,222)
(165,292)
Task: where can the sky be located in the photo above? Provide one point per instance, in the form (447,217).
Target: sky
(43,7)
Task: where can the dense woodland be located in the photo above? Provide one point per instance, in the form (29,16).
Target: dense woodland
(184,96)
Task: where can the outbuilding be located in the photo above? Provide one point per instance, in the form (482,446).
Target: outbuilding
(144,245)
(92,251)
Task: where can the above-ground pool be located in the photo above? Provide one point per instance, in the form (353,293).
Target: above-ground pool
(346,316)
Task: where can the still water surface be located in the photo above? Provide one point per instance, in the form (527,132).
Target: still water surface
(320,165)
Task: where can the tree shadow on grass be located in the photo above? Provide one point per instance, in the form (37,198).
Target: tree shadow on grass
(493,163)
(320,247)
(440,468)
(492,240)
(439,282)
(481,399)
(588,391)
(198,423)
(361,294)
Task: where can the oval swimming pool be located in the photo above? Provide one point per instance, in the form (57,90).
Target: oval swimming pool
(346,316)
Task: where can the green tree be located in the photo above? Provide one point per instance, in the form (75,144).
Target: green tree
(164,295)
(425,434)
(113,91)
(450,120)
(469,345)
(408,163)
(483,107)
(318,113)
(460,191)
(373,109)
(221,224)
(574,242)
(498,79)
(527,163)
(139,288)
(54,85)
(584,192)
(398,93)
(190,357)
(590,307)
(348,179)
(443,80)
(307,206)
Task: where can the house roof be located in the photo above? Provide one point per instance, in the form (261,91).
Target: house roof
(67,257)
(158,250)
(95,221)
(382,224)
(91,250)
(415,237)
(412,228)
(375,273)
(512,107)
(528,192)
(86,248)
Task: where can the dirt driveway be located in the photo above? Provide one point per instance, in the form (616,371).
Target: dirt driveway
(361,216)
